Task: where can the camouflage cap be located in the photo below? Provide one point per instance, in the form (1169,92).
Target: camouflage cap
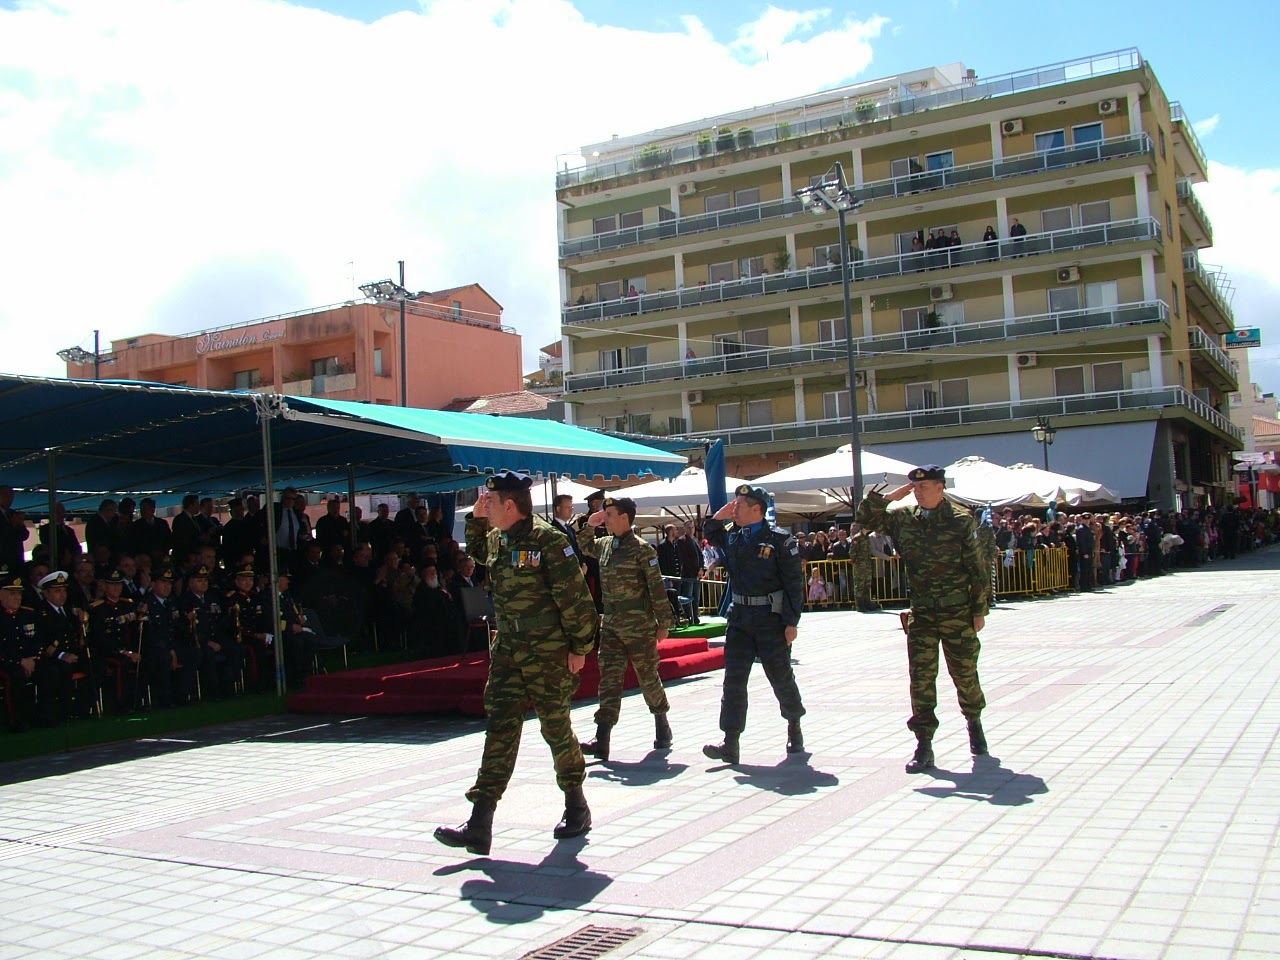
(509,481)
(927,471)
(754,492)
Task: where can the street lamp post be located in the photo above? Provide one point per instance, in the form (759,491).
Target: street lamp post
(822,198)
(386,291)
(1044,433)
(82,356)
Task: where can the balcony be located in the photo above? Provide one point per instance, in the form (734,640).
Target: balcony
(829,114)
(867,348)
(1208,357)
(1209,292)
(1192,217)
(1187,151)
(332,383)
(812,278)
(904,186)
(978,415)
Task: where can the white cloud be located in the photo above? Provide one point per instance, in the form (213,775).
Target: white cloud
(1205,127)
(184,163)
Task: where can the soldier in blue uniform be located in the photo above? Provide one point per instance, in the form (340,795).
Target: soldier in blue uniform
(113,640)
(168,667)
(60,637)
(18,650)
(766,576)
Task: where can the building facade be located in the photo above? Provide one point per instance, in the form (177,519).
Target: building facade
(701,298)
(455,345)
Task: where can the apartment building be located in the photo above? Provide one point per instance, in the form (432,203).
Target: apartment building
(455,345)
(702,299)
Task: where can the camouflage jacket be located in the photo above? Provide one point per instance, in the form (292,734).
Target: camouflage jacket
(941,553)
(860,550)
(537,584)
(987,543)
(630,581)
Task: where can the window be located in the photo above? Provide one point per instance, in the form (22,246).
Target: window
(457,309)
(639,423)
(1168,220)
(1053,140)
(720,272)
(950,312)
(325,367)
(1086,133)
(945,231)
(676,425)
(1068,381)
(914,318)
(828,256)
(716,202)
(817,179)
(1177,310)
(728,415)
(830,331)
(637,356)
(730,344)
(751,267)
(1057,218)
(608,291)
(1101,296)
(943,160)
(903,241)
(759,413)
(955,393)
(636,285)
(836,406)
(748,197)
(247,379)
(633,219)
(1160,130)
(1093,213)
(378,371)
(904,167)
(1108,377)
(1062,299)
(920,396)
(610,360)
(602,225)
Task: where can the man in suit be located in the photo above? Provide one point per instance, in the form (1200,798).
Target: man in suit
(13,531)
(149,534)
(562,520)
(186,529)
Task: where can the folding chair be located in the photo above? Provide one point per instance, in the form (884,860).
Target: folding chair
(681,606)
(476,612)
(321,639)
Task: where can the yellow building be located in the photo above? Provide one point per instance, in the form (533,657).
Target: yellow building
(702,299)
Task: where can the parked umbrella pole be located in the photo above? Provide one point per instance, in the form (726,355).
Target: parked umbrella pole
(266,414)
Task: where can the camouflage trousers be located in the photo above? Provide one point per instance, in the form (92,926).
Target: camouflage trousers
(863,574)
(524,674)
(756,632)
(960,646)
(642,650)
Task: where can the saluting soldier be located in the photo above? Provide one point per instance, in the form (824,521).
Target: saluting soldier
(18,651)
(169,665)
(113,640)
(766,575)
(244,624)
(637,617)
(60,635)
(546,627)
(950,592)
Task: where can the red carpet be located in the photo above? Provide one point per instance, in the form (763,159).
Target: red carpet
(450,684)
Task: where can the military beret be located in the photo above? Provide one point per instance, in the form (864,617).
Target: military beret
(200,571)
(115,576)
(166,574)
(621,504)
(246,570)
(597,495)
(8,581)
(928,471)
(58,578)
(753,492)
(509,482)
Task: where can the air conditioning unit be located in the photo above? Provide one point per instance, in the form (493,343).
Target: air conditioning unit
(1011,127)
(687,189)
(695,397)
(940,291)
(1027,359)
(1068,274)
(1107,107)
(860,378)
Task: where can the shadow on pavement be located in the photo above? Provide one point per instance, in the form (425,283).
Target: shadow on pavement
(519,893)
(792,777)
(988,782)
(654,768)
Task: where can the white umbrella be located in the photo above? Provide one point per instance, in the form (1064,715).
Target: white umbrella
(540,492)
(832,475)
(975,481)
(1078,493)
(686,495)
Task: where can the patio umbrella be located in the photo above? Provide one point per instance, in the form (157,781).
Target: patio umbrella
(1078,493)
(832,475)
(685,497)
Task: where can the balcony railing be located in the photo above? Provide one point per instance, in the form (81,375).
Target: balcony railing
(980,414)
(903,186)
(1179,116)
(1215,282)
(1187,197)
(907,341)
(1199,340)
(831,114)
(1055,241)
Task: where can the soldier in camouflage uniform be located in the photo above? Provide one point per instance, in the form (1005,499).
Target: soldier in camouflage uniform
(864,566)
(637,617)
(950,590)
(546,627)
(987,546)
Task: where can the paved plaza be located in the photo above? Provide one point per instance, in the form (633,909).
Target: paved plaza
(1129,810)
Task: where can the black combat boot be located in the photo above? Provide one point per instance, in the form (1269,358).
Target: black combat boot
(923,760)
(476,834)
(727,751)
(661,732)
(795,738)
(977,739)
(599,747)
(577,816)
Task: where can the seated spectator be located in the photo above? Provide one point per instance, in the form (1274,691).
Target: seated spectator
(436,622)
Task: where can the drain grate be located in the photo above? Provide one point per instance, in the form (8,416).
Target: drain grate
(585,944)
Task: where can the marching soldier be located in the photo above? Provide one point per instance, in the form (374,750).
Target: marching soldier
(546,628)
(637,617)
(60,637)
(113,640)
(950,590)
(169,665)
(18,651)
(767,578)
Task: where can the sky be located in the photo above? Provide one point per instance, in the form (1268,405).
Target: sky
(171,165)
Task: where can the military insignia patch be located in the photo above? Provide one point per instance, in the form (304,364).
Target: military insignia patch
(653,562)
(766,551)
(526,558)
(568,551)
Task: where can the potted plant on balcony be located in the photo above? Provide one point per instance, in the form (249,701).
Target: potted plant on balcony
(724,139)
(654,156)
(864,110)
(746,138)
(932,320)
(784,130)
(704,143)
(781,260)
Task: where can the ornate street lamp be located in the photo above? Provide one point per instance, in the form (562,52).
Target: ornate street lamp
(1043,432)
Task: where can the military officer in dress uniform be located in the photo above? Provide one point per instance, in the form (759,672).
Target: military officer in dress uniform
(18,651)
(113,640)
(637,617)
(766,575)
(244,625)
(219,663)
(168,666)
(546,627)
(60,635)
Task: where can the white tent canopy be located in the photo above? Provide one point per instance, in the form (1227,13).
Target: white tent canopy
(686,496)
(1076,492)
(542,498)
(975,482)
(832,475)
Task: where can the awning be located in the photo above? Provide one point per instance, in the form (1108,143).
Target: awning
(1117,455)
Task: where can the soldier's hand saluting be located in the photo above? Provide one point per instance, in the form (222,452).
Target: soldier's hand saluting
(481,510)
(726,512)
